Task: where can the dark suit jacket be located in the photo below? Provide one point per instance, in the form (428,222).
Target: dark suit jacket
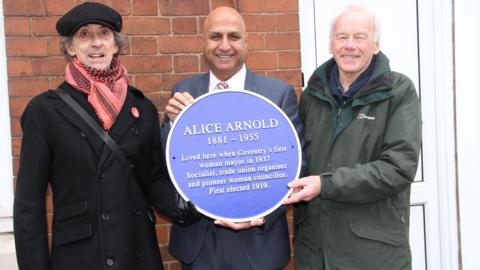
(102,215)
(267,247)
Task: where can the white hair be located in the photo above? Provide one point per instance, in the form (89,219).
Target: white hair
(364,9)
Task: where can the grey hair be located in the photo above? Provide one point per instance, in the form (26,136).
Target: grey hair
(376,21)
(120,39)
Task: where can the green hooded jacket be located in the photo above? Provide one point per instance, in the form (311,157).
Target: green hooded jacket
(367,155)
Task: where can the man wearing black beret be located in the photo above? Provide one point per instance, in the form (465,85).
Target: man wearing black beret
(88,12)
(102,216)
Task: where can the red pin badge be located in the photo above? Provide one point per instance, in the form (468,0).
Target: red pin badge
(135,112)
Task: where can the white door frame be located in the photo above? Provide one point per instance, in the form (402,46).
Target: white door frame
(467,95)
(437,193)
(6,170)
(436,55)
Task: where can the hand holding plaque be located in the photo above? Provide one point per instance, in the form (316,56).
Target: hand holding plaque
(177,103)
(232,154)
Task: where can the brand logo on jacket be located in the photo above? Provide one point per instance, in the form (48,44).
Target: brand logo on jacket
(364,116)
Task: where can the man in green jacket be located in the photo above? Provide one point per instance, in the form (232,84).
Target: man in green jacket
(363,134)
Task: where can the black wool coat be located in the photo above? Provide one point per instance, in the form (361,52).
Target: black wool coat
(102,209)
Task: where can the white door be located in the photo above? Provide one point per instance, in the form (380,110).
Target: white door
(413,38)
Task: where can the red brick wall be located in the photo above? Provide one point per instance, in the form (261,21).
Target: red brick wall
(165,45)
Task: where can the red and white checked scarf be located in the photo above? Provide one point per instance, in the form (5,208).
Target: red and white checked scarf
(106,88)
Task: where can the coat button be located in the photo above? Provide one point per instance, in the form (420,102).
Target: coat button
(110,262)
(101,175)
(138,255)
(138,211)
(134,131)
(132,166)
(105,216)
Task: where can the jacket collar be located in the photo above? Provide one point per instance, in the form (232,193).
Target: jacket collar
(126,118)
(202,87)
(124,122)
(380,79)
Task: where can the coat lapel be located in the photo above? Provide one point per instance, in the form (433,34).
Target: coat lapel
(73,118)
(124,123)
(126,119)
(250,82)
(202,87)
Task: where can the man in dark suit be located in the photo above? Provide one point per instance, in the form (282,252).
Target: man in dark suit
(220,244)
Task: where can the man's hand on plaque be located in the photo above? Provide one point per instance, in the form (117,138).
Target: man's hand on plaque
(236,226)
(304,189)
(177,103)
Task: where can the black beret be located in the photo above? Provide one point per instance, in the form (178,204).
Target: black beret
(86,13)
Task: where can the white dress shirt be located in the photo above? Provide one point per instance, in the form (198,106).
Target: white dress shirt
(236,82)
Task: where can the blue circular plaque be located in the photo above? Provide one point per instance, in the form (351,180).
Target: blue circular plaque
(232,153)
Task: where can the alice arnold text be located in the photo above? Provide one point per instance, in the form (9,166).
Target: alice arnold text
(211,128)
